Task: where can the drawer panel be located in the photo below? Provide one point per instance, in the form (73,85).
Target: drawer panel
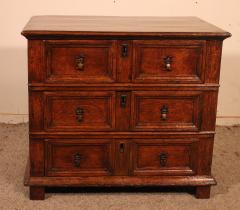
(166,110)
(80,61)
(164,157)
(169,61)
(79,111)
(87,157)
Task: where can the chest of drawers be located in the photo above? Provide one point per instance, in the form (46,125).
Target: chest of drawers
(122,101)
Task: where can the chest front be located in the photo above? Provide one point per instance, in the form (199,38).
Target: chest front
(120,108)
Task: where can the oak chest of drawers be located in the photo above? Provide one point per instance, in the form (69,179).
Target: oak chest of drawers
(122,101)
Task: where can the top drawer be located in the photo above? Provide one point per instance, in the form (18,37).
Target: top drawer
(169,61)
(109,61)
(85,61)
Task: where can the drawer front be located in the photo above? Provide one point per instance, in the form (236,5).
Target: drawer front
(87,157)
(80,61)
(166,110)
(164,157)
(79,111)
(169,61)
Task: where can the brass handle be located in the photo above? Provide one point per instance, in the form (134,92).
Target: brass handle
(164,112)
(79,114)
(168,62)
(121,147)
(80,62)
(163,159)
(77,159)
(124,50)
(123,101)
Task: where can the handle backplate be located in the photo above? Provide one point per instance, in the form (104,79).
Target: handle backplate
(164,112)
(80,62)
(79,114)
(77,159)
(163,159)
(168,63)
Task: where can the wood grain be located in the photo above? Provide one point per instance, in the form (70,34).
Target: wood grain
(98,111)
(99,63)
(187,61)
(127,26)
(95,157)
(123,181)
(180,154)
(184,110)
(123,80)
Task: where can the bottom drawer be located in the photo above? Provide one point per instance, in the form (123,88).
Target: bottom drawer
(87,157)
(105,157)
(164,157)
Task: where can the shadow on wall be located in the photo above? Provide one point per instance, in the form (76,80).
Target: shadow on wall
(229,92)
(13,83)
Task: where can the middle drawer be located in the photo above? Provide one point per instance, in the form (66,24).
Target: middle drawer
(119,111)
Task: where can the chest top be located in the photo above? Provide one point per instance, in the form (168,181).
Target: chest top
(50,26)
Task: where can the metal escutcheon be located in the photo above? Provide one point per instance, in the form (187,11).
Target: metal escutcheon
(79,114)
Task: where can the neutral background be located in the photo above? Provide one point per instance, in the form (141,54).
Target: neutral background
(13,46)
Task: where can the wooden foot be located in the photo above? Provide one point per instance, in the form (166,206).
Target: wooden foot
(36,193)
(203,192)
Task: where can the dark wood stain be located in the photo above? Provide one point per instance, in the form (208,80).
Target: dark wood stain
(122,101)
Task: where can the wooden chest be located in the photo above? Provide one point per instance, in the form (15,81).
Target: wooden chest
(122,101)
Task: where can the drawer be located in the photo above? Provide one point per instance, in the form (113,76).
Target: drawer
(169,61)
(87,157)
(85,61)
(79,111)
(164,157)
(166,110)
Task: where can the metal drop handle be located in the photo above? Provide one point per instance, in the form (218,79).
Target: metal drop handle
(164,112)
(77,159)
(163,159)
(80,62)
(79,114)
(168,62)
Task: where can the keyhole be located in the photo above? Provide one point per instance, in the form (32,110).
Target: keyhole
(121,147)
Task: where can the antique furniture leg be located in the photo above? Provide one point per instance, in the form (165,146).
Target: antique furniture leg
(36,193)
(203,192)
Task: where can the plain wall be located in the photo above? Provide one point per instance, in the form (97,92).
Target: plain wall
(13,47)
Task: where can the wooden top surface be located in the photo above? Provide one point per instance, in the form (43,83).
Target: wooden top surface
(113,25)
